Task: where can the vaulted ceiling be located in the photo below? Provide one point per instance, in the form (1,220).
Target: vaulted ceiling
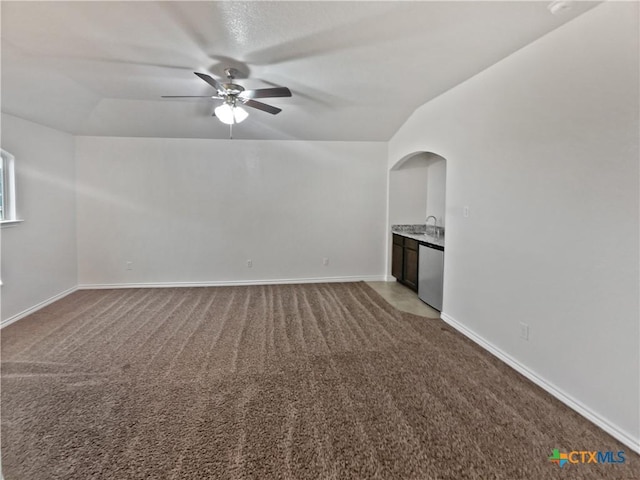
(357,70)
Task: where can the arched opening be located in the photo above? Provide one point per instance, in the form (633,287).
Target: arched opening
(417,189)
(417,193)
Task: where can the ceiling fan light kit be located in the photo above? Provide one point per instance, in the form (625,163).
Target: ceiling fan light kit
(230,114)
(233,94)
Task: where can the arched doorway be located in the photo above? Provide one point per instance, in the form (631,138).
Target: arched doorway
(417,192)
(417,189)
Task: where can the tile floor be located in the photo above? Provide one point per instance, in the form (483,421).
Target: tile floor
(403,298)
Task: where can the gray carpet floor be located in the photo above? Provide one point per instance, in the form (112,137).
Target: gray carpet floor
(317,381)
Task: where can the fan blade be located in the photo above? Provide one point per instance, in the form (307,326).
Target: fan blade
(210,80)
(261,106)
(190,96)
(266,92)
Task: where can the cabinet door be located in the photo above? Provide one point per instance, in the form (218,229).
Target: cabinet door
(396,261)
(411,268)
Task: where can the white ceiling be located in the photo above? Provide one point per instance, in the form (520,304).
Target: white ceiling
(357,70)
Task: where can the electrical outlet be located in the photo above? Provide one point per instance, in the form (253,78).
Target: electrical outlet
(249,263)
(465,211)
(325,261)
(524,331)
(129,265)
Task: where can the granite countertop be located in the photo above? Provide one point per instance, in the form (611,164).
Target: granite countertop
(419,233)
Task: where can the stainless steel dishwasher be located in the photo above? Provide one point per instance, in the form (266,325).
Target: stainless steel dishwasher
(430,274)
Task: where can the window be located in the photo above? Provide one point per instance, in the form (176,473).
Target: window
(7,189)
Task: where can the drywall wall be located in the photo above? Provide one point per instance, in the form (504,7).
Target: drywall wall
(436,189)
(189,210)
(543,148)
(39,255)
(417,185)
(408,191)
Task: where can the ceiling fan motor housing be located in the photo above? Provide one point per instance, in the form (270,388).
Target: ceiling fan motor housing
(232,89)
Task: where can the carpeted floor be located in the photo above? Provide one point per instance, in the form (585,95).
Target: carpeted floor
(317,381)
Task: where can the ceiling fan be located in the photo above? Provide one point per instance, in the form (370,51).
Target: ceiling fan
(234,96)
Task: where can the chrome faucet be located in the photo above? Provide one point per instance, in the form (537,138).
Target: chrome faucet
(435,225)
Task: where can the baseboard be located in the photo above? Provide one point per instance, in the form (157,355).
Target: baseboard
(568,400)
(36,307)
(281,281)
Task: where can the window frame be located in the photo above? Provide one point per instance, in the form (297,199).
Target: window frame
(9,215)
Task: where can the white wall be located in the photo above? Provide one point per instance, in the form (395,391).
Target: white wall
(39,255)
(188,210)
(543,148)
(408,191)
(436,189)
(417,186)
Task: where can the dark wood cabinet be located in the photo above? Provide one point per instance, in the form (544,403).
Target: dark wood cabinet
(411,268)
(397,261)
(404,261)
